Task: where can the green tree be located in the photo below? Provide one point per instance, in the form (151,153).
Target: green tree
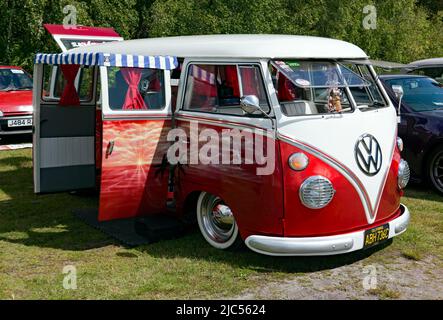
(406,29)
(23,22)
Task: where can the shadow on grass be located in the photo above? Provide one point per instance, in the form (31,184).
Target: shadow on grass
(16,139)
(46,221)
(17,162)
(422,191)
(194,247)
(42,220)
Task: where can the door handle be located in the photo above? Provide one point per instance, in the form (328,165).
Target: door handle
(109,148)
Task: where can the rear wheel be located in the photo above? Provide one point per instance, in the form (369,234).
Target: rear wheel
(216,222)
(435,169)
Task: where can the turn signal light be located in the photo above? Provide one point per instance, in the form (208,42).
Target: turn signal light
(298,161)
(400,144)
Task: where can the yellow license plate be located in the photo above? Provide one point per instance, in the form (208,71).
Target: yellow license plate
(376,235)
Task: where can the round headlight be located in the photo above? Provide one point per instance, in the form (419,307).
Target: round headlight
(316,192)
(400,144)
(298,161)
(403,174)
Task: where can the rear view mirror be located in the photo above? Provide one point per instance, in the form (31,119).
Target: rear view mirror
(413,85)
(398,91)
(250,104)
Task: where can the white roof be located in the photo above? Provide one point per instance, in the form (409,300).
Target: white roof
(427,62)
(234,46)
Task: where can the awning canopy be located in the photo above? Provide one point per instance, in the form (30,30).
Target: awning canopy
(108,60)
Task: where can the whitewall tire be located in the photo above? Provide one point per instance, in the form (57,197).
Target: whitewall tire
(216,222)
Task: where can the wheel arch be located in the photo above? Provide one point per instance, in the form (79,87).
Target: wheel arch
(190,207)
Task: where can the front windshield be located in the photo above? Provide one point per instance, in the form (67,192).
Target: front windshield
(14,79)
(318,87)
(420,94)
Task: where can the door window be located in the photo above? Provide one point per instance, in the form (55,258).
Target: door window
(133,89)
(219,88)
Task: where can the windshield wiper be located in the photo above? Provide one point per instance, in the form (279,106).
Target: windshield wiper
(378,104)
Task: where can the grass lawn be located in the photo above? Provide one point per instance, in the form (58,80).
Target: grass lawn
(39,236)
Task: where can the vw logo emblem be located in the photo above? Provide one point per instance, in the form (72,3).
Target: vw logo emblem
(368,155)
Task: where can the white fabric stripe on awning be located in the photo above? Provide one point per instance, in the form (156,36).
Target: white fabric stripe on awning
(109,60)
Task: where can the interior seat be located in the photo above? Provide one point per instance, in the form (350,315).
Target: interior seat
(299,108)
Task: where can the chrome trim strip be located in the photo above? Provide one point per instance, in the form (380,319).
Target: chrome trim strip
(6,117)
(227,124)
(347,173)
(320,246)
(337,166)
(8,133)
(135,118)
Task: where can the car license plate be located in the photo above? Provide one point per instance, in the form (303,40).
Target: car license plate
(20,123)
(376,235)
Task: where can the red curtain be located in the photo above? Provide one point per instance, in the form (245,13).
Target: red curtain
(232,79)
(286,89)
(133,99)
(249,82)
(69,96)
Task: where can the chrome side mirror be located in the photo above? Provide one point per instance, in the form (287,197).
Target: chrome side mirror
(398,91)
(250,104)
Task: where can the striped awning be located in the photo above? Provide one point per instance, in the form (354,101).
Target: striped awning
(108,60)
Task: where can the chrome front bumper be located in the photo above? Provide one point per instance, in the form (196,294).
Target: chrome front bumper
(321,246)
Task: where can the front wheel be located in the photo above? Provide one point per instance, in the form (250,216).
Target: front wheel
(435,169)
(216,222)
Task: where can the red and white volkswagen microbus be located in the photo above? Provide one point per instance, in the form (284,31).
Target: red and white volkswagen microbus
(286,143)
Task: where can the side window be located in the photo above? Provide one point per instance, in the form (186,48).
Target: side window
(219,88)
(252,84)
(55,81)
(136,89)
(85,83)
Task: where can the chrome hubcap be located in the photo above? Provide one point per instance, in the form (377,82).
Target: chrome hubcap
(217,218)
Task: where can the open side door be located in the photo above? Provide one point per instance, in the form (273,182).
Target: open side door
(64,131)
(136,121)
(136,105)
